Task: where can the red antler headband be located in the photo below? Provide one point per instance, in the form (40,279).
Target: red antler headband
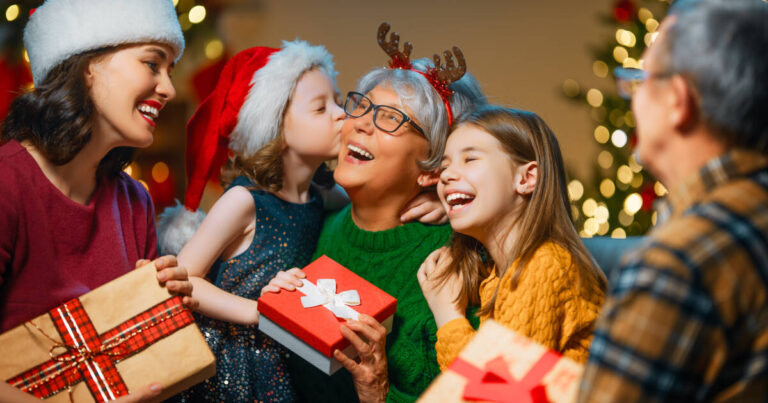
(440,76)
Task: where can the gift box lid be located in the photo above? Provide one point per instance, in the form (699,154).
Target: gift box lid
(318,326)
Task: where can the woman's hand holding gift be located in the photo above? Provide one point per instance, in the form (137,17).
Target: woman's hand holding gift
(369,371)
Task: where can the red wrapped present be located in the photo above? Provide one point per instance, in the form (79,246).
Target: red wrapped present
(307,321)
(499,365)
(123,335)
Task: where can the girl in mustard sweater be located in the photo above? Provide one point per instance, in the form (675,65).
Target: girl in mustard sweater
(515,250)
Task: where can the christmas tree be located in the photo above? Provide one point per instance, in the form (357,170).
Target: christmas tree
(618,198)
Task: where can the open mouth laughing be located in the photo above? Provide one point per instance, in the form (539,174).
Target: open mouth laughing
(359,153)
(458,200)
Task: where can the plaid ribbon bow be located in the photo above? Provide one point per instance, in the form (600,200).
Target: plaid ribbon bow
(84,355)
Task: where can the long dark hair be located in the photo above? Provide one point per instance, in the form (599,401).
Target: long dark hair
(545,217)
(56,116)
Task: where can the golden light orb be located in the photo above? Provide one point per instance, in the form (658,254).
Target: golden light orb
(602,135)
(197,14)
(589,207)
(594,97)
(633,203)
(605,159)
(12,12)
(160,172)
(620,53)
(600,69)
(607,188)
(575,190)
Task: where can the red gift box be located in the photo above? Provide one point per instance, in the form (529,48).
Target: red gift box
(499,365)
(314,333)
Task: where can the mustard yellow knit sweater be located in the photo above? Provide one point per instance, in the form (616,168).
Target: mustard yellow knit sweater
(547,306)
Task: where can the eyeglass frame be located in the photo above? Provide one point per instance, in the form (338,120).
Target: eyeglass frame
(635,77)
(375,108)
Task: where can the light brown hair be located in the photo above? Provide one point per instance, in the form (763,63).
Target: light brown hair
(545,216)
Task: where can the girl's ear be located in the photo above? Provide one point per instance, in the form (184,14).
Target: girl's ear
(526,177)
(429,178)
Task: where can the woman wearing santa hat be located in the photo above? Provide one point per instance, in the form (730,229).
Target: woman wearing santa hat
(70,218)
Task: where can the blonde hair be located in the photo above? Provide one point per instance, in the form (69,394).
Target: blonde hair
(545,216)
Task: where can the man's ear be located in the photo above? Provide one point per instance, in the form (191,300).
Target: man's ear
(429,178)
(684,106)
(526,178)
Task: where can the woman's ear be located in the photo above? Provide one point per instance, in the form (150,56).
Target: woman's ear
(93,69)
(526,177)
(429,178)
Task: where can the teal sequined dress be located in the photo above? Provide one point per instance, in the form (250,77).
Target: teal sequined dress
(250,366)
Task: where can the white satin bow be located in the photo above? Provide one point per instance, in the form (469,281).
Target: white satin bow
(324,293)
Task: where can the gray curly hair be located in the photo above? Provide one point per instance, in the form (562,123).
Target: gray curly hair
(416,93)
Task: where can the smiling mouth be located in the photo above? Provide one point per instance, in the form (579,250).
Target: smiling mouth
(359,153)
(457,201)
(149,113)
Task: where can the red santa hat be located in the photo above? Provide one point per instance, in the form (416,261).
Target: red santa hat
(242,114)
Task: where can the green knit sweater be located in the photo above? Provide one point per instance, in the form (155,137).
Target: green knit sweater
(388,259)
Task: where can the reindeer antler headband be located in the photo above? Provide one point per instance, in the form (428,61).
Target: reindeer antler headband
(440,76)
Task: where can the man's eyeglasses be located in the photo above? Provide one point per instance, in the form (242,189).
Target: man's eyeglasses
(629,79)
(385,117)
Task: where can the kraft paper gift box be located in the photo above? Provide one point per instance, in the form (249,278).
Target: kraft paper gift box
(121,336)
(500,365)
(307,321)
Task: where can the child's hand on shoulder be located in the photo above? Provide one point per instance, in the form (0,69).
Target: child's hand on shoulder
(441,290)
(426,208)
(285,280)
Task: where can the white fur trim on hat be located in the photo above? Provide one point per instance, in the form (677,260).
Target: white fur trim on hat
(176,227)
(60,29)
(260,117)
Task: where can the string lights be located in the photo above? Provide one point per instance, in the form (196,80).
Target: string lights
(618,201)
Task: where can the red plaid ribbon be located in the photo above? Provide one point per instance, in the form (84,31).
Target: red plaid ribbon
(495,383)
(84,355)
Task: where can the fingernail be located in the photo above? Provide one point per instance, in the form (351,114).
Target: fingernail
(156,387)
(299,283)
(161,276)
(402,218)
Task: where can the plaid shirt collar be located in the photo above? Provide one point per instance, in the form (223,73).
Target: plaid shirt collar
(717,171)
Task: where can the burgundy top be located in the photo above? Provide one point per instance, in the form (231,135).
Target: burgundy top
(53,249)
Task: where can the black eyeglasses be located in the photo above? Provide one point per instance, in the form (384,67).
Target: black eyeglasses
(629,79)
(385,117)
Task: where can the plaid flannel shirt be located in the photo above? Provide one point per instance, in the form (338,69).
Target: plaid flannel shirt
(687,316)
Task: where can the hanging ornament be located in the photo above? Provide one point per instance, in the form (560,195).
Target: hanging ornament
(623,11)
(649,196)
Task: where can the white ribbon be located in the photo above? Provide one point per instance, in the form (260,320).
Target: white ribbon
(324,293)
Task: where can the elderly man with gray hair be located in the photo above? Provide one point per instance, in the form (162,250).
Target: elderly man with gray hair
(687,318)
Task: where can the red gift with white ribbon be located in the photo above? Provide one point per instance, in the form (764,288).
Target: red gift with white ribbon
(307,321)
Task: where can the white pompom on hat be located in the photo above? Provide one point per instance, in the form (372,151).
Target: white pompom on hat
(60,29)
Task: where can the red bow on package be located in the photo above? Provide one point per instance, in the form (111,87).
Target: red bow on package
(85,356)
(495,383)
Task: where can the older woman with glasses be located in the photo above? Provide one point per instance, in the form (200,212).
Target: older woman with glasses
(391,146)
